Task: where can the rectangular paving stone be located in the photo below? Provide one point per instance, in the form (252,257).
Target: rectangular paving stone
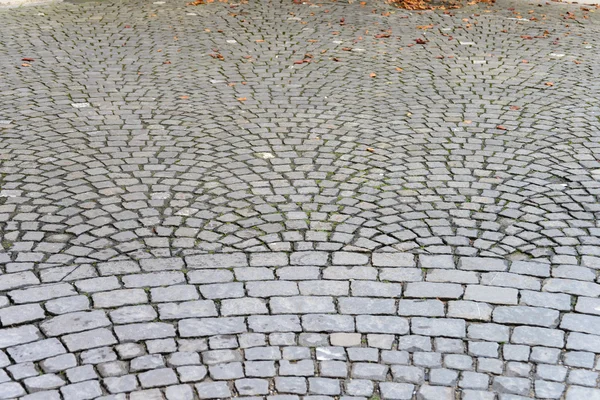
(524,315)
(274,259)
(227,260)
(188,309)
(144,331)
(327,323)
(581,323)
(366,305)
(161,264)
(19,335)
(274,323)
(158,378)
(558,301)
(132,314)
(436,261)
(452,276)
(20,314)
(482,264)
(585,342)
(382,324)
(401,274)
(17,280)
(491,294)
(211,326)
(350,273)
(174,293)
(98,284)
(580,392)
(433,290)
(570,286)
(309,258)
(469,310)
(324,288)
(118,298)
(421,308)
(349,258)
(393,260)
(41,293)
(36,351)
(438,327)
(587,305)
(118,268)
(376,289)
(154,279)
(506,279)
(74,322)
(89,339)
(81,390)
(530,268)
(534,336)
(301,305)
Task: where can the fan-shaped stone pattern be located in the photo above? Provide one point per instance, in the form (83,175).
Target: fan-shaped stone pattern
(185,208)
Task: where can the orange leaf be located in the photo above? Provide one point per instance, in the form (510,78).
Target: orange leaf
(371,149)
(167,62)
(372,74)
(184,97)
(514,108)
(502,128)
(399,69)
(25,65)
(242,99)
(347,48)
(549,84)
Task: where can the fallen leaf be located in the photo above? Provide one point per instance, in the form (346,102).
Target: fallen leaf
(336,59)
(501,127)
(382,35)
(25,65)
(27,59)
(167,62)
(526,37)
(372,74)
(577,62)
(184,97)
(408,114)
(299,62)
(514,108)
(347,48)
(549,83)
(242,99)
(420,41)
(424,27)
(371,149)
(399,69)
(467,121)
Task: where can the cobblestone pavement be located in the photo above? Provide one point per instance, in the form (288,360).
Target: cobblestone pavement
(284,201)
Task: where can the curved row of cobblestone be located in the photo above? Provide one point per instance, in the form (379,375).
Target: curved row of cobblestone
(281,201)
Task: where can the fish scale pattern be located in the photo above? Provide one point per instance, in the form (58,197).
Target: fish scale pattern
(280,201)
